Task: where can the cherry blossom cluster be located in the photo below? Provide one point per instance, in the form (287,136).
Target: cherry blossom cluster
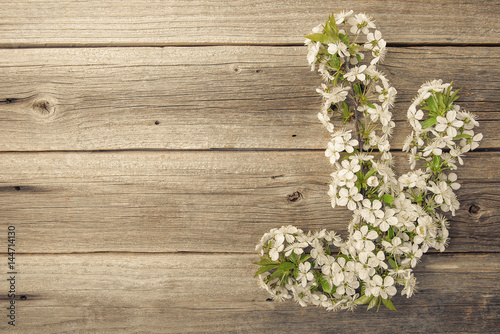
(395,219)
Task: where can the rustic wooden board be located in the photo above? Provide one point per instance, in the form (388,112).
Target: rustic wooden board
(211,109)
(207,201)
(75,23)
(207,293)
(207,97)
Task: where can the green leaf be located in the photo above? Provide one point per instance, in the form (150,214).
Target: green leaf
(371,105)
(429,122)
(419,198)
(358,57)
(336,78)
(436,161)
(463,135)
(388,303)
(453,97)
(265,260)
(388,198)
(391,233)
(344,39)
(431,102)
(345,107)
(364,300)
(286,266)
(392,263)
(328,251)
(357,89)
(331,28)
(370,173)
(373,303)
(276,274)
(322,38)
(284,278)
(306,257)
(346,113)
(440,101)
(335,62)
(353,48)
(293,257)
(324,284)
(265,268)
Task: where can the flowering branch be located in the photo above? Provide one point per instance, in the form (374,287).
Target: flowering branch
(395,220)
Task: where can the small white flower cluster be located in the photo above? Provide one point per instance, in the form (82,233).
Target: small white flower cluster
(395,220)
(338,56)
(440,131)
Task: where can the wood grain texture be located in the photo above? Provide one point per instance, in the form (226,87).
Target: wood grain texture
(212,293)
(114,22)
(208,97)
(201,201)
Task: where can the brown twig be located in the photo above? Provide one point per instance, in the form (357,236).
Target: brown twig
(356,105)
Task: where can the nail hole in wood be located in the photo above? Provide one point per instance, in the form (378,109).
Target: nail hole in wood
(157,122)
(269,300)
(23,297)
(474,209)
(295,196)
(258,71)
(294,135)
(17,188)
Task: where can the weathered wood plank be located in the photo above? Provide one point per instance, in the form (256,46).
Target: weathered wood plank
(199,293)
(219,201)
(69,23)
(223,97)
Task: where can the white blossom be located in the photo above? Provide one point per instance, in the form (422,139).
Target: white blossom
(364,239)
(305,274)
(395,246)
(387,220)
(349,198)
(356,73)
(450,124)
(374,39)
(433,85)
(371,210)
(338,47)
(312,53)
(361,22)
(342,16)
(333,95)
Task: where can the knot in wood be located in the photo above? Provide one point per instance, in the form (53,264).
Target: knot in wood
(474,209)
(45,106)
(294,197)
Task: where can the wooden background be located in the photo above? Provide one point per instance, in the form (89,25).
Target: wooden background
(147,145)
